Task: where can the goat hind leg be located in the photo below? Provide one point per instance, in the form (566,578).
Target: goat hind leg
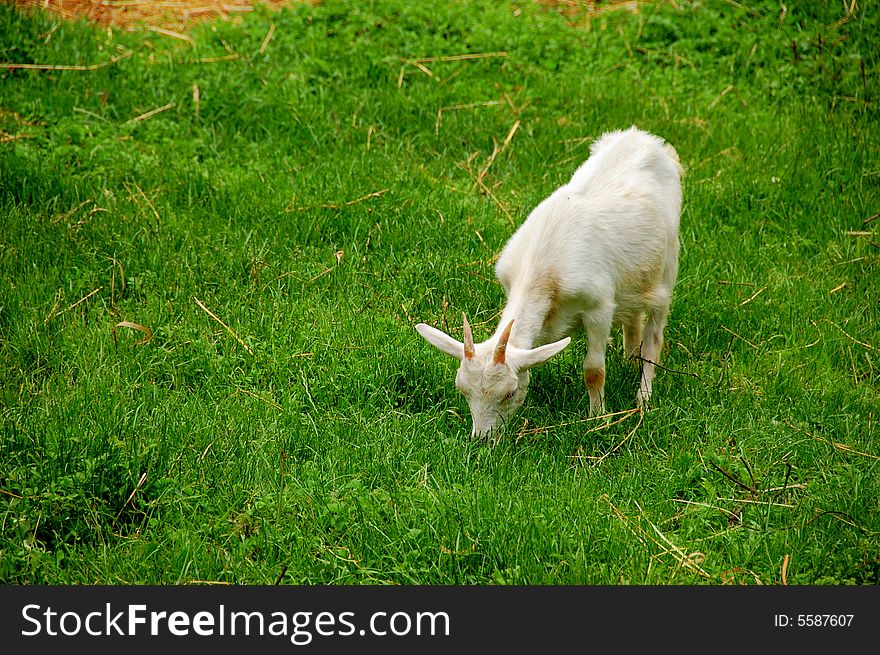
(632,336)
(652,345)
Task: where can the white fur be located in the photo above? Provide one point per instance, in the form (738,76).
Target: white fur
(600,250)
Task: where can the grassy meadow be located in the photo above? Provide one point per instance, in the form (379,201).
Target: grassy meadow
(214,247)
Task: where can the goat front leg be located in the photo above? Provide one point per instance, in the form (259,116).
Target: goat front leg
(597,325)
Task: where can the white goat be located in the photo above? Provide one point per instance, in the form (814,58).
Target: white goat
(601,250)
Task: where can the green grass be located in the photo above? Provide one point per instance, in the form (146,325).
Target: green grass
(339,450)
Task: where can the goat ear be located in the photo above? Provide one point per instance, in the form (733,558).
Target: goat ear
(441,341)
(529,358)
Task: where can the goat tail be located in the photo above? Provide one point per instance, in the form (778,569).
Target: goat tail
(673,154)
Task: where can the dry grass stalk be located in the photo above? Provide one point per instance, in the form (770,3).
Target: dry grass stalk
(339,254)
(210,582)
(729,331)
(467,105)
(845,448)
(601,458)
(6,136)
(125,504)
(730,88)
(54,307)
(729,576)
(226,327)
(76,304)
(258,397)
(752,501)
(641,534)
(848,336)
(349,203)
(834,444)
(731,516)
(266,39)
(172,34)
(419,63)
(753,296)
(136,326)
(149,204)
(462,57)
(485,189)
(688,561)
(66,67)
(214,60)
(498,150)
(625,414)
(150,114)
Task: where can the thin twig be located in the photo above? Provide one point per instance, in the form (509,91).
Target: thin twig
(733,479)
(281,575)
(785,569)
(228,329)
(666,368)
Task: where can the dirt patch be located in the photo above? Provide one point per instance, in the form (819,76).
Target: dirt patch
(179,14)
(169,14)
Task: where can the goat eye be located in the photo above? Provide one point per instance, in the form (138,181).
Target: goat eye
(509,396)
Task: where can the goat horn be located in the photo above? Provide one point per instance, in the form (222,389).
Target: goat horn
(501,349)
(468,338)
